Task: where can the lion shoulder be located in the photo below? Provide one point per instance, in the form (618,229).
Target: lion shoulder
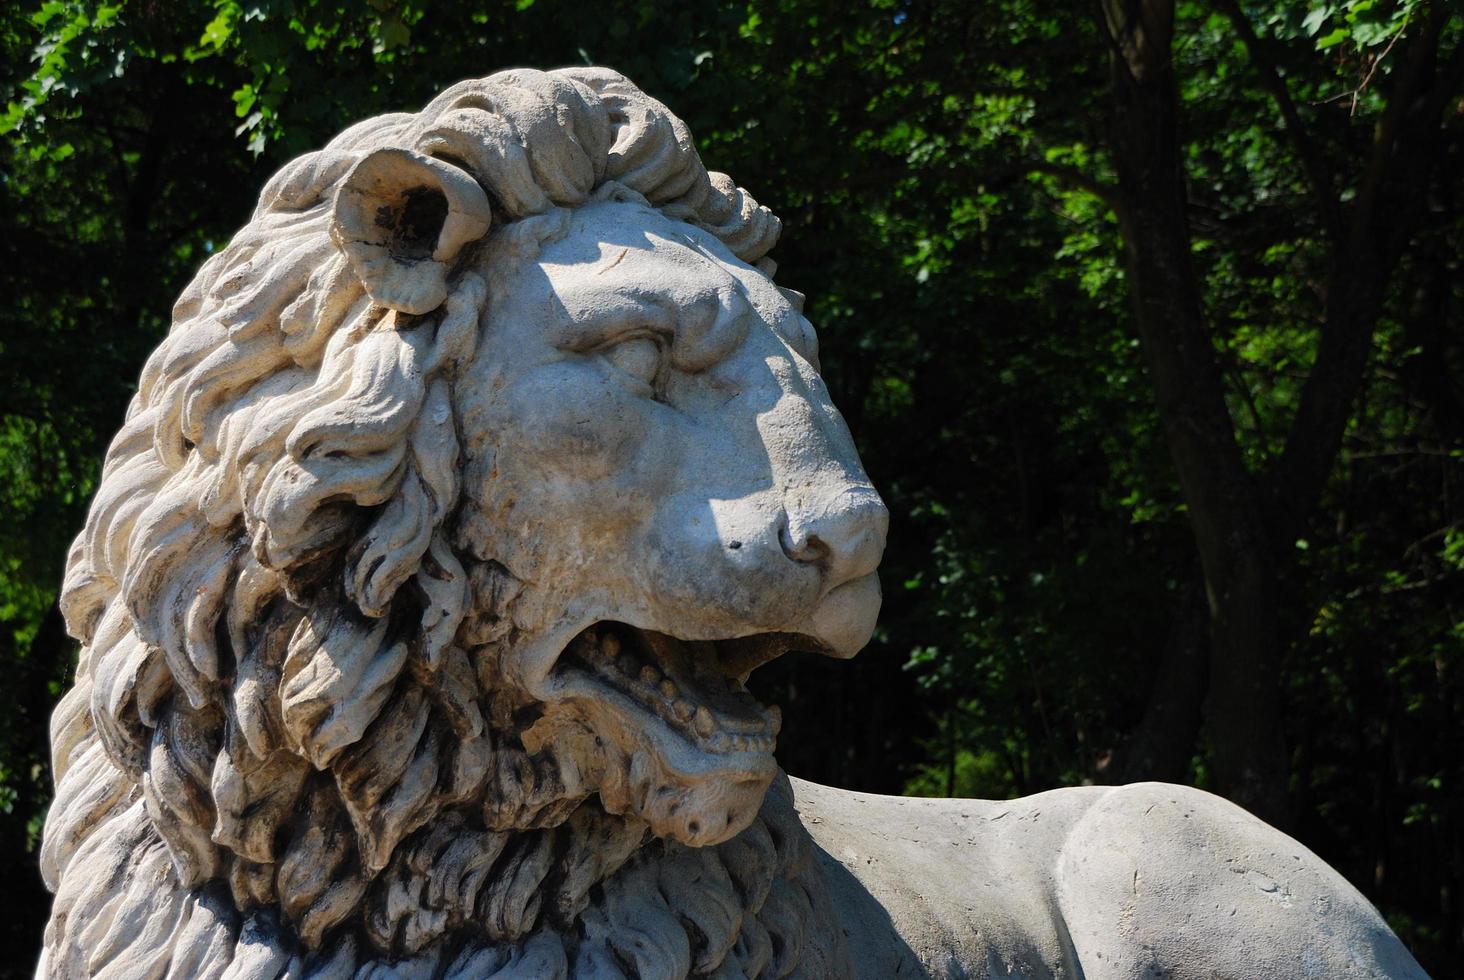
(1169,881)
(1146,880)
(946,887)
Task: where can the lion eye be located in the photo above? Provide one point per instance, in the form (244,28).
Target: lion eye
(639,357)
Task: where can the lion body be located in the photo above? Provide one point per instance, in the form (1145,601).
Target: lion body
(1106,883)
(417,598)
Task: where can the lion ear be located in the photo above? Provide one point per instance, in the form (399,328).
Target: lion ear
(401,218)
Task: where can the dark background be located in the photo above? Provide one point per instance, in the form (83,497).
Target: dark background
(1148,319)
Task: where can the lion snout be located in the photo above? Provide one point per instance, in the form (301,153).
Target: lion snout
(845,538)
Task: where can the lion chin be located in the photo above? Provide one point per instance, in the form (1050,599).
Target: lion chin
(680,741)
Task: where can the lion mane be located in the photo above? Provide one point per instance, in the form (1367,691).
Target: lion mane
(283,754)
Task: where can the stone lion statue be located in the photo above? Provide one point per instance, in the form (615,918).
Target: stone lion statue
(420,588)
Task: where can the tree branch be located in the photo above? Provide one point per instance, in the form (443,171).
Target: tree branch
(1390,204)
(1317,173)
(1420,54)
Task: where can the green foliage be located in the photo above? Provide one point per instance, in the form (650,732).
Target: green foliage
(945,176)
(1363,23)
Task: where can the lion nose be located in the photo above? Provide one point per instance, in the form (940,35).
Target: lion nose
(845,538)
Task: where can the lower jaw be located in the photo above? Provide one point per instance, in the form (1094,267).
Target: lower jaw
(701,812)
(636,775)
(666,732)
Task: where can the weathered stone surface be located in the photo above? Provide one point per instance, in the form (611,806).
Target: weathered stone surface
(418,594)
(1147,880)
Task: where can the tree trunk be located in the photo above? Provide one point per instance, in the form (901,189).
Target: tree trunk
(1164,743)
(1243,721)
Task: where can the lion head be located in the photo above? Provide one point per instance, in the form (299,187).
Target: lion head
(475,476)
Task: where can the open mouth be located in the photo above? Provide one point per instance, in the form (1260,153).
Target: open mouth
(696,688)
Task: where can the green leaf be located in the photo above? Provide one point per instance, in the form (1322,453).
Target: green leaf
(1315,18)
(218,31)
(394,34)
(244,98)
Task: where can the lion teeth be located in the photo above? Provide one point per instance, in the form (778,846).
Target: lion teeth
(730,722)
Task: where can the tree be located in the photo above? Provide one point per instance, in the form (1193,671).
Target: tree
(1245,524)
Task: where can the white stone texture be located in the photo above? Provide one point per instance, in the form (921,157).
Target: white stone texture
(417,597)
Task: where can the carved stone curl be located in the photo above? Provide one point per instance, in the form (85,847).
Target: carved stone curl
(419,592)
